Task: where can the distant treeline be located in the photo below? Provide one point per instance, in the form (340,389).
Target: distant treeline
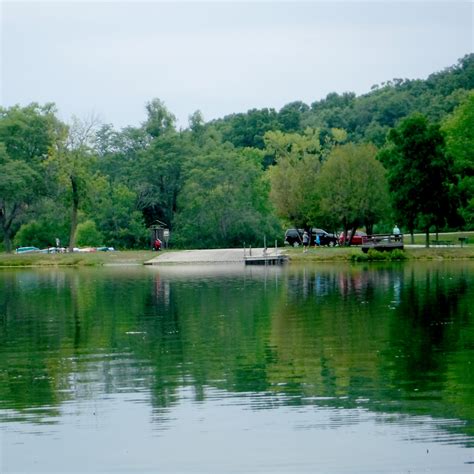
(366,118)
(403,152)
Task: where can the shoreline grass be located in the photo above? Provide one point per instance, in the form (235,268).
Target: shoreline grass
(452,236)
(320,254)
(354,254)
(126,257)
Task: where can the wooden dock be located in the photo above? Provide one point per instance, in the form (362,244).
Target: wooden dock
(267,256)
(382,242)
(266,260)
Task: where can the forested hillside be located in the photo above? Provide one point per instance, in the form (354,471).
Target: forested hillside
(404,151)
(365,118)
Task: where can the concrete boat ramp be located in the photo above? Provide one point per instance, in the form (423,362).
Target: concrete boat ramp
(255,256)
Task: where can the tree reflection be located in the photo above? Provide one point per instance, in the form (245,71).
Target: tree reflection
(397,336)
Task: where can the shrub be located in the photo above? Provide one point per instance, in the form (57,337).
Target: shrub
(39,233)
(397,254)
(88,235)
(376,256)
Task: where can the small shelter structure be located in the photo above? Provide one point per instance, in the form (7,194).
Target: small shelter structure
(159,230)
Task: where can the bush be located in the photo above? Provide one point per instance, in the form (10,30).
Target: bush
(130,233)
(376,256)
(88,235)
(39,234)
(397,254)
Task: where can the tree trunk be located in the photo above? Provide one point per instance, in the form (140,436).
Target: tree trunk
(6,234)
(427,238)
(6,225)
(7,242)
(75,208)
(353,231)
(345,236)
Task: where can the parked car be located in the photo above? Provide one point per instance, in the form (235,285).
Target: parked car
(357,239)
(294,237)
(325,238)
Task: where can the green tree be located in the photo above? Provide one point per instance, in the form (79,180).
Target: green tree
(88,235)
(459,129)
(289,116)
(224,201)
(293,186)
(352,187)
(419,174)
(27,135)
(40,232)
(29,132)
(196,122)
(248,130)
(119,151)
(293,178)
(157,177)
(18,189)
(160,120)
(74,166)
(117,216)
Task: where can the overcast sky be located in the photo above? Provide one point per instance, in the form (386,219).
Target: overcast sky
(221,57)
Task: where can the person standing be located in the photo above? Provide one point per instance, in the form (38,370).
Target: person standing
(305,241)
(396,232)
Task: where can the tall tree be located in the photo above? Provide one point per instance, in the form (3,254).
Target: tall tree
(117,216)
(248,130)
(158,177)
(420,174)
(459,129)
(160,120)
(73,164)
(352,187)
(119,151)
(293,178)
(27,135)
(290,114)
(224,201)
(28,132)
(18,188)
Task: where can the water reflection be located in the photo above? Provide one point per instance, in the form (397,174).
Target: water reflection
(393,340)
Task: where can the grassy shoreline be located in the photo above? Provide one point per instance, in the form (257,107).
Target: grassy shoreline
(347,254)
(127,257)
(138,257)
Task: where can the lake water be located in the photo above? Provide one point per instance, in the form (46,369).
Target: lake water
(227,369)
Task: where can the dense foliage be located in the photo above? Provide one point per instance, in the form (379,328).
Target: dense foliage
(352,186)
(246,176)
(420,174)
